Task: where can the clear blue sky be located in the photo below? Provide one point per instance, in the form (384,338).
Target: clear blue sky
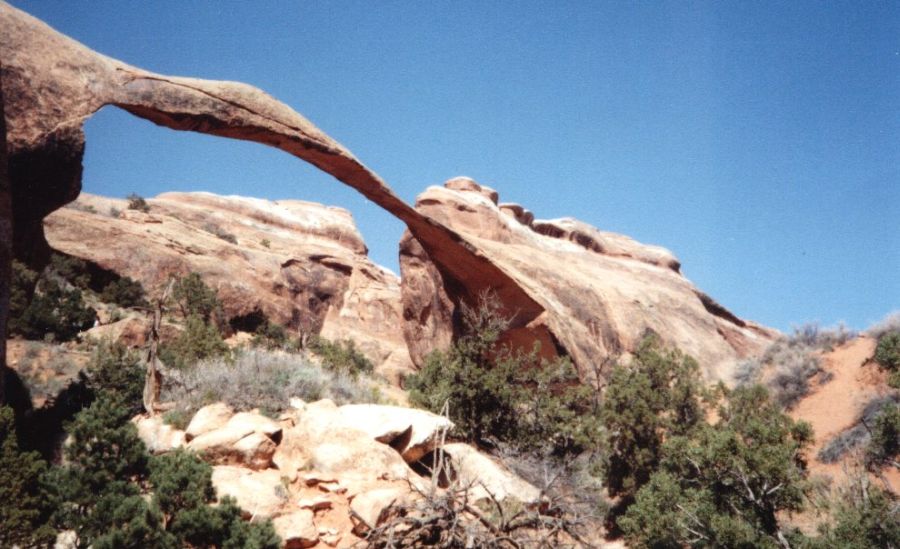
(758,141)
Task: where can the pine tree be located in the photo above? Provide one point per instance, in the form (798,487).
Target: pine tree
(724,485)
(23,510)
(656,397)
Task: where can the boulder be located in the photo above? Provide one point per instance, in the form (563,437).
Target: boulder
(486,476)
(409,431)
(246,438)
(322,441)
(158,436)
(209,418)
(296,529)
(254,422)
(259,494)
(371,509)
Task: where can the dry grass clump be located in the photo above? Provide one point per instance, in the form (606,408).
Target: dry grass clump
(794,360)
(265,379)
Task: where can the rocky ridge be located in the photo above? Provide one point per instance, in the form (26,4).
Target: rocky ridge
(588,294)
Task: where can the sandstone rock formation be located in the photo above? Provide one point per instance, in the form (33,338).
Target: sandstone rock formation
(486,477)
(51,84)
(329,480)
(300,264)
(582,292)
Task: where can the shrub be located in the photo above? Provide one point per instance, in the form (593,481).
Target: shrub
(890,323)
(724,485)
(99,494)
(265,243)
(270,335)
(218,231)
(194,297)
(496,395)
(796,361)
(96,494)
(125,292)
(884,447)
(199,339)
(257,378)
(53,312)
(81,207)
(341,356)
(114,212)
(866,517)
(860,434)
(23,513)
(71,269)
(887,354)
(137,202)
(655,398)
(183,492)
(118,373)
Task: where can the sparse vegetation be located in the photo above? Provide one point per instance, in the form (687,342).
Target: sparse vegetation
(52,312)
(341,356)
(795,360)
(81,207)
(257,378)
(23,514)
(199,340)
(655,398)
(125,292)
(194,297)
(887,354)
(214,229)
(724,485)
(496,395)
(137,202)
(866,517)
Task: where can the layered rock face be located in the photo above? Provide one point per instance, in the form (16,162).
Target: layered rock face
(582,292)
(296,263)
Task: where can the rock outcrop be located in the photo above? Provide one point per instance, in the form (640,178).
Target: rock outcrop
(300,264)
(337,471)
(51,84)
(581,292)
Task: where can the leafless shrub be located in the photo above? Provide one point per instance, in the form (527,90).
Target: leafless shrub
(890,323)
(258,378)
(858,435)
(448,517)
(748,372)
